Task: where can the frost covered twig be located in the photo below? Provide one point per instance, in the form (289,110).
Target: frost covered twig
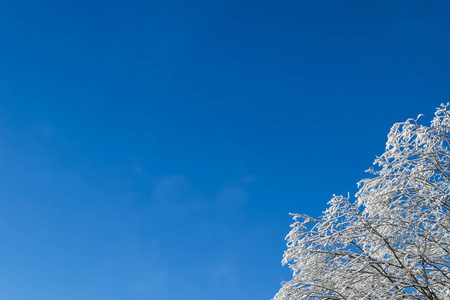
(393,241)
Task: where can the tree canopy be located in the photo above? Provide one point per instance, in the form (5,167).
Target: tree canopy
(393,240)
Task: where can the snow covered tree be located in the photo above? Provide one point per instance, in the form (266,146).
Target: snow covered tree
(393,240)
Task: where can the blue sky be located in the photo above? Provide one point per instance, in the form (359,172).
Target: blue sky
(154,149)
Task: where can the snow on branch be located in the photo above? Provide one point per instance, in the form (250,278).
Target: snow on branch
(393,241)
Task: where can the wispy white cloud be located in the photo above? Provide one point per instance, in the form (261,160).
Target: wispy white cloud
(224,270)
(231,197)
(248,179)
(154,282)
(176,193)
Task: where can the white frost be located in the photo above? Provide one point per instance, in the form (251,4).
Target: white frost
(393,241)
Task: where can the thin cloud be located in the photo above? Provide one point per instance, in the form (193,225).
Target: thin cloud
(231,197)
(175,193)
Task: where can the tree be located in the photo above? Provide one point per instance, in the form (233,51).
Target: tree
(393,240)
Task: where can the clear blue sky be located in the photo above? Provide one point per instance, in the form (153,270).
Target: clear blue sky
(153,149)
